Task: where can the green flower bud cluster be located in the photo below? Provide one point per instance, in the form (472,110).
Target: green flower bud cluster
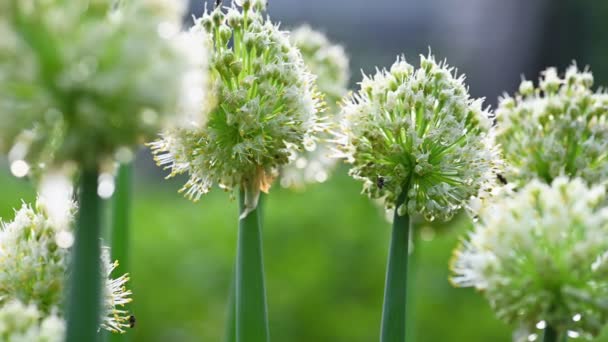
(34,259)
(557,128)
(329,63)
(417,134)
(540,257)
(25,323)
(267,108)
(82,79)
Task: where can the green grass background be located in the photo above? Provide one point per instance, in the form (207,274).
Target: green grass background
(324,251)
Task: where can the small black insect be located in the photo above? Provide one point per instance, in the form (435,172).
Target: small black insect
(218,3)
(502,179)
(380,182)
(132,321)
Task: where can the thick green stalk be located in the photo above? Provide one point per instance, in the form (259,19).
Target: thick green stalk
(251,308)
(84,291)
(412,277)
(395,292)
(121,208)
(551,334)
(230,334)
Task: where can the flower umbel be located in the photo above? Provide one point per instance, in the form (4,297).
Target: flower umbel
(81,79)
(34,262)
(19,322)
(417,131)
(329,63)
(540,255)
(267,108)
(557,128)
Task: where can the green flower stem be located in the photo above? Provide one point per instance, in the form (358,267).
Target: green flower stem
(395,292)
(412,277)
(251,309)
(552,335)
(121,207)
(230,335)
(84,298)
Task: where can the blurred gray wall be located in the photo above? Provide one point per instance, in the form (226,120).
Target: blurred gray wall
(493,41)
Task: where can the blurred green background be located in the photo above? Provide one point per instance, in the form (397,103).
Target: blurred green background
(326,247)
(325,253)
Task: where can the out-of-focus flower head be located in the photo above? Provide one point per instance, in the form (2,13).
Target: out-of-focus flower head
(557,128)
(34,259)
(82,79)
(267,108)
(540,256)
(416,133)
(329,63)
(25,323)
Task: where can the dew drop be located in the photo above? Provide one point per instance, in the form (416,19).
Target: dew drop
(321,176)
(64,239)
(105,188)
(301,163)
(19,168)
(124,155)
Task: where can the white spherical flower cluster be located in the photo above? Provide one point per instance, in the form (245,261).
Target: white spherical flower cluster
(82,79)
(417,140)
(559,128)
(267,108)
(25,323)
(329,63)
(34,259)
(540,256)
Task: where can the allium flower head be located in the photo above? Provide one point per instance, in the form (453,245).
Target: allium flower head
(557,128)
(417,133)
(329,63)
(540,256)
(267,107)
(25,323)
(34,260)
(82,79)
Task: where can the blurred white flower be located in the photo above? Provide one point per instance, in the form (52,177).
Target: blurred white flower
(540,255)
(34,258)
(81,80)
(329,63)
(559,128)
(25,323)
